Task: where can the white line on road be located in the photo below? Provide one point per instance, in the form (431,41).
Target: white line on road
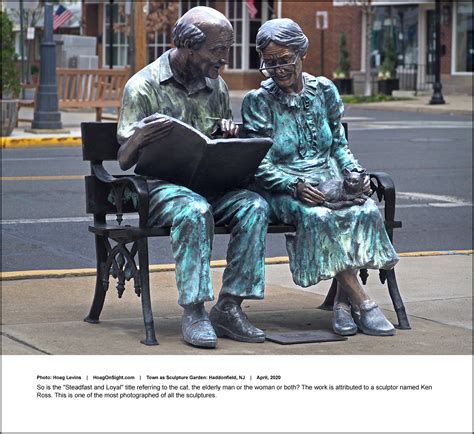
(445,200)
(424,200)
(55,220)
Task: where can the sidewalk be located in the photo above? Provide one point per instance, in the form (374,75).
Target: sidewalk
(455,104)
(45,316)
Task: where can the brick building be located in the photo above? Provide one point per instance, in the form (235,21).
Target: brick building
(131,40)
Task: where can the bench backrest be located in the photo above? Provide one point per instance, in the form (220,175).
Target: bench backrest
(99,141)
(83,86)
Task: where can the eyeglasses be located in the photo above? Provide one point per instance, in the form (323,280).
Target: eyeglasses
(268,69)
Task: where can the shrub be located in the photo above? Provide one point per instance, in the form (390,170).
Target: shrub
(389,65)
(10,83)
(344,66)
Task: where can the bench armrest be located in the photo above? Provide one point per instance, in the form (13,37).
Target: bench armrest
(382,185)
(119,184)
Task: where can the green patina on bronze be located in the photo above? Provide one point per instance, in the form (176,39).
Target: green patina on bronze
(155,90)
(309,144)
(190,215)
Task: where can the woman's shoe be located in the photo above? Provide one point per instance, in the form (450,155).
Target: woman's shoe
(371,321)
(342,322)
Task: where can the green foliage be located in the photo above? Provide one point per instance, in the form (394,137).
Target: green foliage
(388,68)
(344,66)
(357,99)
(10,82)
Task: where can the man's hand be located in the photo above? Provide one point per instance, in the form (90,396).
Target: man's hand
(228,128)
(309,194)
(153,128)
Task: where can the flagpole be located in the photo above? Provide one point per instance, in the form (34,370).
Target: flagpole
(46,114)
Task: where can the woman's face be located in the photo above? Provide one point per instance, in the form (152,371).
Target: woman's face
(288,78)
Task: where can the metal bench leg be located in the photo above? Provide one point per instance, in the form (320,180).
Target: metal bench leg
(100,285)
(150,338)
(397,301)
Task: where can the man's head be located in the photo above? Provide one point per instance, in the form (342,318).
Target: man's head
(206,35)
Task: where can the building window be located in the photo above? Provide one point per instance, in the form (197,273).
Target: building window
(243,54)
(161,19)
(464,37)
(188,4)
(401,24)
(121,26)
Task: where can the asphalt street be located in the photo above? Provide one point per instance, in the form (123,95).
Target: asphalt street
(429,156)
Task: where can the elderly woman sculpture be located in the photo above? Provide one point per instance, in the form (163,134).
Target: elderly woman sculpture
(302,175)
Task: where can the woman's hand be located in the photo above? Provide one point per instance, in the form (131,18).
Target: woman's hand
(366,189)
(309,194)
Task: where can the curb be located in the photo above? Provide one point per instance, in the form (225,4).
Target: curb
(83,272)
(40,142)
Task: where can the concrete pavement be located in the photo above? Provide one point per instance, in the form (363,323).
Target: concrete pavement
(455,104)
(45,316)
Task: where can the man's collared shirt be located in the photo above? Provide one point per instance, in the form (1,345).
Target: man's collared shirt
(154,89)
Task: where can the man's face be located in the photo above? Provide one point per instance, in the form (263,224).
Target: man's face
(214,53)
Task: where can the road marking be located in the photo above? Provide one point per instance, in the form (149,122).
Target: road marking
(42,178)
(435,200)
(431,200)
(80,272)
(46,220)
(63,220)
(41,158)
(35,142)
(357,118)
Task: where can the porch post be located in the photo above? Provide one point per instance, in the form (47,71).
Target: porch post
(140,9)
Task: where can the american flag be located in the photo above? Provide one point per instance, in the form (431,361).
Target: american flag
(61,16)
(251,8)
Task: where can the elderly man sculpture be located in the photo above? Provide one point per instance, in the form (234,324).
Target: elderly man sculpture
(184,83)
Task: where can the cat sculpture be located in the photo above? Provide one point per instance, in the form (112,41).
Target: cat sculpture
(344,193)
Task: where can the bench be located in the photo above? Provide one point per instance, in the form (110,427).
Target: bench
(117,244)
(88,88)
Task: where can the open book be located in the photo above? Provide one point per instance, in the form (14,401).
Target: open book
(188,157)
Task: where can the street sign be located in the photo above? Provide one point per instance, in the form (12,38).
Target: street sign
(30,33)
(322,21)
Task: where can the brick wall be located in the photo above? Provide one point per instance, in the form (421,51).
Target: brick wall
(346,19)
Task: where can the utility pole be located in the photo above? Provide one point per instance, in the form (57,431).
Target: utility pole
(437,97)
(22,50)
(46,114)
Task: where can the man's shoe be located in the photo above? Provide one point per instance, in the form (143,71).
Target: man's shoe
(197,329)
(342,322)
(371,321)
(234,324)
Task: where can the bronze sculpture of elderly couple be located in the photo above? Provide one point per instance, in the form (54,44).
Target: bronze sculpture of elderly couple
(302,115)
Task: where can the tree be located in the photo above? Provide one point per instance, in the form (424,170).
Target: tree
(388,68)
(31,17)
(10,83)
(344,66)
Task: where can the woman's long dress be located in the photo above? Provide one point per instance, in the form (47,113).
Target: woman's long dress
(309,144)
